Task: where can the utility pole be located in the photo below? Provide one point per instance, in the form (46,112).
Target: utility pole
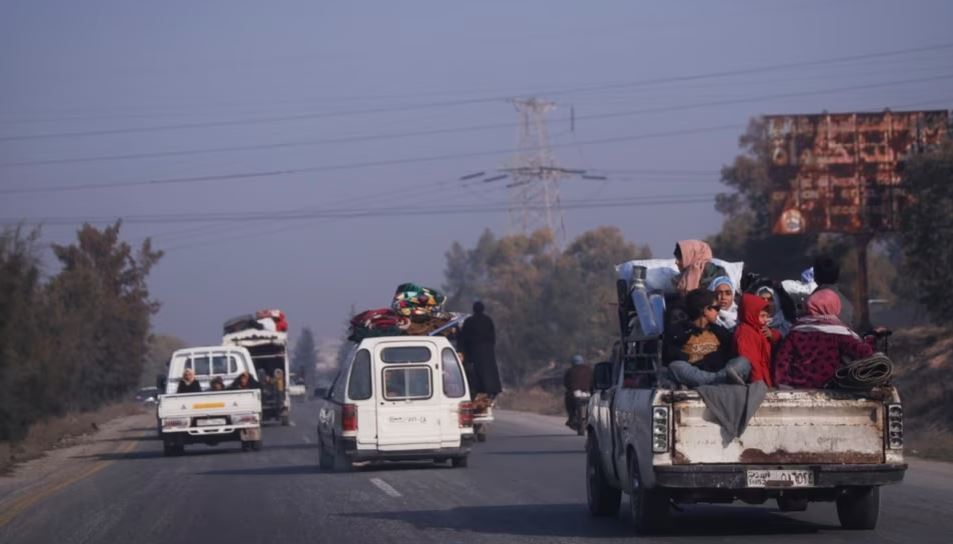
(534,191)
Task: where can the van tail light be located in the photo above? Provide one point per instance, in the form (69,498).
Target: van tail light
(465,414)
(349,417)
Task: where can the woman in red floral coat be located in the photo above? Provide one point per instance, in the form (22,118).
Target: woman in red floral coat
(818,344)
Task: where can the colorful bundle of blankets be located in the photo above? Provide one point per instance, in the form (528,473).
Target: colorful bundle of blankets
(416,302)
(415,310)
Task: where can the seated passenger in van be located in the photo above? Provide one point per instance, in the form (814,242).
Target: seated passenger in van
(725,297)
(754,340)
(818,344)
(279,380)
(244,381)
(188,383)
(695,269)
(700,352)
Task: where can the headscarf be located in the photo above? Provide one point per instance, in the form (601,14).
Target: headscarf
(778,322)
(695,255)
(726,318)
(823,307)
(807,277)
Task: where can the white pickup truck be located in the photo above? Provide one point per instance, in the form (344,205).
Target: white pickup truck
(662,445)
(209,417)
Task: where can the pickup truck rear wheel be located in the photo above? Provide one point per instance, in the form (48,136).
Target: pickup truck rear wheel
(604,500)
(858,508)
(651,512)
(460,462)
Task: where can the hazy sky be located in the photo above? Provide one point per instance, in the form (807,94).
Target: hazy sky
(270,107)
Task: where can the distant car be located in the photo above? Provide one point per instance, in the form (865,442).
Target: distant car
(147,394)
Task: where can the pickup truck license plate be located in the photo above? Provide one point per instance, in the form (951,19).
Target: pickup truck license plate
(210,422)
(780,478)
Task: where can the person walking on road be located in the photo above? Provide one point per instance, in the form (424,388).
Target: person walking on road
(577,378)
(478,345)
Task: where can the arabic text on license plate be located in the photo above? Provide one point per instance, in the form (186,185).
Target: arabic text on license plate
(780,478)
(210,422)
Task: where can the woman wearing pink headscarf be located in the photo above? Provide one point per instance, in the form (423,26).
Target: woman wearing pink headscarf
(818,343)
(693,258)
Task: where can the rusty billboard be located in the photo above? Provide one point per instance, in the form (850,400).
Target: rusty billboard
(842,172)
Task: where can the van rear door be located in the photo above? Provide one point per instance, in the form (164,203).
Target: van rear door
(409,409)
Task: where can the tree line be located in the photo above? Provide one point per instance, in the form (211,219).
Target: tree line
(548,304)
(75,339)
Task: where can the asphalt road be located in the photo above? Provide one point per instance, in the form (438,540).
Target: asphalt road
(525,484)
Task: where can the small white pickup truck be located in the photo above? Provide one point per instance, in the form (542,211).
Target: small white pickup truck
(397,398)
(209,417)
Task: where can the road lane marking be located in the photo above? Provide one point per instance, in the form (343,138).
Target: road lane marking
(25,503)
(307,440)
(385,487)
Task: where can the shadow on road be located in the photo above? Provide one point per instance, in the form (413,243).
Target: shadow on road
(293,470)
(573,520)
(579,451)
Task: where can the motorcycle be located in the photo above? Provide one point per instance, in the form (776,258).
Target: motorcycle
(580,412)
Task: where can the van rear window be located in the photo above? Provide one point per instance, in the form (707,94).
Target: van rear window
(406,354)
(407,383)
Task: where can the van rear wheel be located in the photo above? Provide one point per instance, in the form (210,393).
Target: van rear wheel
(325,457)
(858,508)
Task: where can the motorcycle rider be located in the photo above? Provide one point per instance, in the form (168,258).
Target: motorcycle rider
(577,378)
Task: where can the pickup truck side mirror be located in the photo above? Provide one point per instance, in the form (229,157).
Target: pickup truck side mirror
(320,392)
(602,376)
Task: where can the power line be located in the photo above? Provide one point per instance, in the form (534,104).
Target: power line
(348,166)
(348,213)
(472,128)
(460,102)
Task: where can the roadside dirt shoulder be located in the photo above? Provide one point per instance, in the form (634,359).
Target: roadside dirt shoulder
(57,468)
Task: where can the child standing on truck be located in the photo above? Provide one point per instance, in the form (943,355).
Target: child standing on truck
(754,338)
(700,352)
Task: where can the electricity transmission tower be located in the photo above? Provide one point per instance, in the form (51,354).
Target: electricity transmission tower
(534,190)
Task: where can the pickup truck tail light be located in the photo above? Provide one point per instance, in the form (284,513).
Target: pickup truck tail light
(660,429)
(245,418)
(176,423)
(349,417)
(894,426)
(465,414)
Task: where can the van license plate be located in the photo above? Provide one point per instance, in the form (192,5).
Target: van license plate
(211,422)
(780,478)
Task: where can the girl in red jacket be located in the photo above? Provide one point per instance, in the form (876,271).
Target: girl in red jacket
(754,339)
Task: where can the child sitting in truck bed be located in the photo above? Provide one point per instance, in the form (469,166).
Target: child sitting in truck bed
(700,352)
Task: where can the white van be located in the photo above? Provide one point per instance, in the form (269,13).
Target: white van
(397,398)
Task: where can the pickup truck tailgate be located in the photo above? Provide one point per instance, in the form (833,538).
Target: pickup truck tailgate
(790,427)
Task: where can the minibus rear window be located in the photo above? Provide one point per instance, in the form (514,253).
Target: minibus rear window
(406,354)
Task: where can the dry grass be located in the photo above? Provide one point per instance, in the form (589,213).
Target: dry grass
(533,399)
(61,432)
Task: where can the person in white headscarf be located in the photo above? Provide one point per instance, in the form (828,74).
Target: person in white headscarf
(778,321)
(725,297)
(799,290)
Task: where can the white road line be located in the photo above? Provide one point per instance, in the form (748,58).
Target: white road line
(292,423)
(385,487)
(307,440)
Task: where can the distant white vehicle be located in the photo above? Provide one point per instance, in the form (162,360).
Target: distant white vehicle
(209,417)
(397,398)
